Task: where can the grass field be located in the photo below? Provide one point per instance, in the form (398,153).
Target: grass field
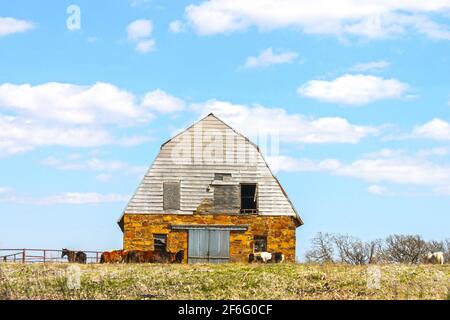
(230,281)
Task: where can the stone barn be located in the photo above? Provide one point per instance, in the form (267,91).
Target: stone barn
(210,192)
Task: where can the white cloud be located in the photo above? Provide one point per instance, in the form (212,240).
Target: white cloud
(18,136)
(94,164)
(177,26)
(162,102)
(72,104)
(139,29)
(370,66)
(392,166)
(436,129)
(354,89)
(104,177)
(79,198)
(10,25)
(4,190)
(261,121)
(376,189)
(371,19)
(268,57)
(145,46)
(71,198)
(63,114)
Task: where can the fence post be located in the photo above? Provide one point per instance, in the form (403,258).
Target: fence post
(45,253)
(96,257)
(23,255)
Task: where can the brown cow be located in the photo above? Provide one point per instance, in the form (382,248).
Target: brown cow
(137,256)
(116,256)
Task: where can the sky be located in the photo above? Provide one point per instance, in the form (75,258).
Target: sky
(356,93)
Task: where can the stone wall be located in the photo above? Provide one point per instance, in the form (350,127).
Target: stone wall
(279,230)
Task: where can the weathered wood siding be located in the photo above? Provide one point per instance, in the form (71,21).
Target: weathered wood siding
(194,157)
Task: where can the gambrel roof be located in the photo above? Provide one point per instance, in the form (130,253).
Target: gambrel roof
(193,158)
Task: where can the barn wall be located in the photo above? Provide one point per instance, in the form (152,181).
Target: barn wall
(186,158)
(279,230)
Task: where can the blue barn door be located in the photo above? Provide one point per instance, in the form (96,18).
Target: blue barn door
(207,245)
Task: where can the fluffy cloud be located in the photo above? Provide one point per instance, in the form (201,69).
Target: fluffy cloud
(79,198)
(354,89)
(436,129)
(370,66)
(94,164)
(145,46)
(72,104)
(18,136)
(10,25)
(372,19)
(71,198)
(139,31)
(392,166)
(162,102)
(261,121)
(376,189)
(62,114)
(268,57)
(4,190)
(177,26)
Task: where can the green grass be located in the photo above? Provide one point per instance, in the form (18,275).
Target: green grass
(228,281)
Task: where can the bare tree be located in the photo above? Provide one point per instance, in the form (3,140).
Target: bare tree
(322,250)
(404,248)
(352,250)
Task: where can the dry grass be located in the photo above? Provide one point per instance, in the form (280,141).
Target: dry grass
(230,281)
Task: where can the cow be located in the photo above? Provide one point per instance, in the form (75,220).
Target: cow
(434,258)
(74,256)
(137,256)
(266,257)
(116,256)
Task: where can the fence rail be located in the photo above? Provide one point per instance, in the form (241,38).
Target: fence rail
(42,256)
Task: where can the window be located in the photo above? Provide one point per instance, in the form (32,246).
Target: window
(260,244)
(160,242)
(249,198)
(171,195)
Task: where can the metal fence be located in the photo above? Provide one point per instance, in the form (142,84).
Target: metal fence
(42,256)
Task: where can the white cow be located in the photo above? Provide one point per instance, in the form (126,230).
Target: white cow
(434,258)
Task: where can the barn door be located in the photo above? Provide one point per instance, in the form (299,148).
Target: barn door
(219,246)
(209,246)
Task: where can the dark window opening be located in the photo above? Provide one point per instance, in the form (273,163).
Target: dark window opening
(260,244)
(160,242)
(249,198)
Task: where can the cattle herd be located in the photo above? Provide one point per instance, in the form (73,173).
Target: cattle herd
(140,256)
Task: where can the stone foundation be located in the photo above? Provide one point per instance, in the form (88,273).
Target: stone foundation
(279,230)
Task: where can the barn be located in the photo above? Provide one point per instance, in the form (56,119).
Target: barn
(210,192)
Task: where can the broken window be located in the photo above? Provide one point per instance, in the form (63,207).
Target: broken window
(260,244)
(249,198)
(171,195)
(160,242)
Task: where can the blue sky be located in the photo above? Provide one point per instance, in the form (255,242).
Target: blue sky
(357,94)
